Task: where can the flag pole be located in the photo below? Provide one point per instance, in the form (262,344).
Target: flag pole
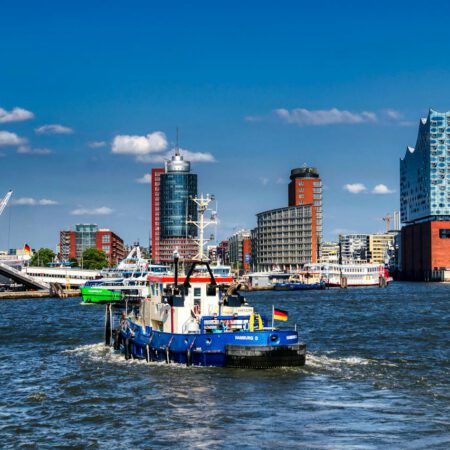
(273,308)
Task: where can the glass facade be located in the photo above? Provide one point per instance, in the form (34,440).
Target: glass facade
(176,206)
(85,237)
(425,170)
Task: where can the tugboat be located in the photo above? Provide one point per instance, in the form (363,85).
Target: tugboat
(202,320)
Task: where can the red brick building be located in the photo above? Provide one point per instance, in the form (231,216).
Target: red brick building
(72,244)
(111,244)
(425,248)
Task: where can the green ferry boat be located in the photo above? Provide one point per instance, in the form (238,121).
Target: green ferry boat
(93,294)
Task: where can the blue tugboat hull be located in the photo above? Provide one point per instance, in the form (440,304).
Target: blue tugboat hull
(257,349)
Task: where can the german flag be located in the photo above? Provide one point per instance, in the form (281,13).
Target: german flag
(279,314)
(26,248)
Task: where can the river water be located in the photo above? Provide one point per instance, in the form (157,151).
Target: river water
(377,375)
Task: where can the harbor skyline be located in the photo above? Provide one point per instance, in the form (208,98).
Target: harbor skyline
(99,109)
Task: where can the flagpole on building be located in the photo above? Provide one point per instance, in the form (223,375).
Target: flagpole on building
(273,308)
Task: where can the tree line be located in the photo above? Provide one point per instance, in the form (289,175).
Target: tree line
(91,259)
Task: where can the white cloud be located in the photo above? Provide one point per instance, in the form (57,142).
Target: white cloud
(147,178)
(160,158)
(302,116)
(102,211)
(281,180)
(140,145)
(8,138)
(15,115)
(25,149)
(97,144)
(393,114)
(152,149)
(29,201)
(53,129)
(196,156)
(355,188)
(382,189)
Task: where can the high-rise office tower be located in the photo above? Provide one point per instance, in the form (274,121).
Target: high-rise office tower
(172,190)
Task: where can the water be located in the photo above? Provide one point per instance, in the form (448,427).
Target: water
(377,375)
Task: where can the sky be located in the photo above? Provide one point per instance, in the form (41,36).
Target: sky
(91,94)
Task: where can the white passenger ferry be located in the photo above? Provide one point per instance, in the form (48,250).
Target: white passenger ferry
(347,275)
(64,275)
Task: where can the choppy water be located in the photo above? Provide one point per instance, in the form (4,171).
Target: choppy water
(377,375)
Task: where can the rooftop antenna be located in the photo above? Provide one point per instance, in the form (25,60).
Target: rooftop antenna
(177,147)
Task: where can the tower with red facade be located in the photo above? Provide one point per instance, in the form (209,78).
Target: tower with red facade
(305,188)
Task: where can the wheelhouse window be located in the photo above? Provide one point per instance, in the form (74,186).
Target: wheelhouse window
(444,233)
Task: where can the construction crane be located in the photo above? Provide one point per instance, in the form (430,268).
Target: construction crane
(5,201)
(387,219)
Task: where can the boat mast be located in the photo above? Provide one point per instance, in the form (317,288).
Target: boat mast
(202,203)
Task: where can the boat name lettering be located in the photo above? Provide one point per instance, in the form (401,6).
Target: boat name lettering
(244,338)
(293,336)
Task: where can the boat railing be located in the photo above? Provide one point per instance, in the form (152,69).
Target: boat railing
(220,324)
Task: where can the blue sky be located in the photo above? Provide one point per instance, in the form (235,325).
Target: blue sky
(256,88)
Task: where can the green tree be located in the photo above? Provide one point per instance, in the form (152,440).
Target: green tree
(74,262)
(42,258)
(94,259)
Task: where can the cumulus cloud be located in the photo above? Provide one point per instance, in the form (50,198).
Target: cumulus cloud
(53,129)
(140,145)
(153,149)
(302,116)
(25,149)
(15,115)
(8,138)
(355,188)
(29,201)
(97,144)
(147,178)
(102,211)
(382,189)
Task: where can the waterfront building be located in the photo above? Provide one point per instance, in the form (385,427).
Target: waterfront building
(353,248)
(329,252)
(156,181)
(172,190)
(222,252)
(305,188)
(380,247)
(286,238)
(239,250)
(425,200)
(72,244)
